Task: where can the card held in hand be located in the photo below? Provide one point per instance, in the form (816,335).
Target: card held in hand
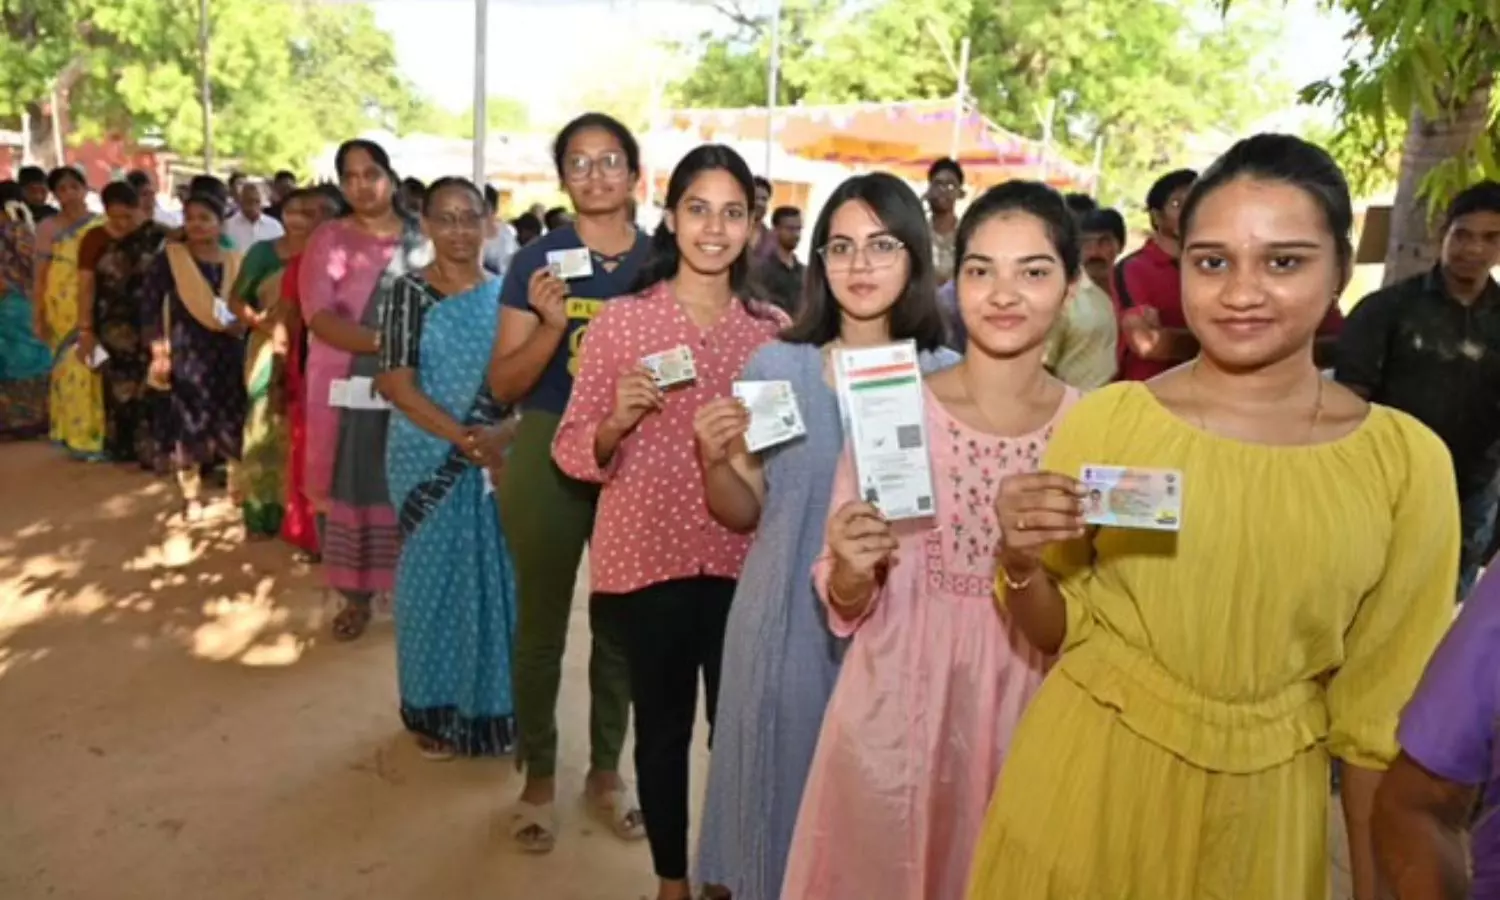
(671,367)
(1124,497)
(774,416)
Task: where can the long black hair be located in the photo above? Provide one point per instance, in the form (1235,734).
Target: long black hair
(915,315)
(381,159)
(1034,199)
(665,257)
(1289,160)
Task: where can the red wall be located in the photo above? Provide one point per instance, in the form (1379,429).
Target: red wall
(101,161)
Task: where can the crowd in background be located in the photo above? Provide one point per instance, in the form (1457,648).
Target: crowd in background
(986,702)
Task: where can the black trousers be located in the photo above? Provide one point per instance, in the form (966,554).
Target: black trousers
(672,631)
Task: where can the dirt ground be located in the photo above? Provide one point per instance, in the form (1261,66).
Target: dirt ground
(175,724)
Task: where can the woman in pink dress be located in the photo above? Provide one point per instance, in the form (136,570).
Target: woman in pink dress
(936,678)
(344,465)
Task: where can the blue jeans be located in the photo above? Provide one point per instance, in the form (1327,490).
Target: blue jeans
(1477,520)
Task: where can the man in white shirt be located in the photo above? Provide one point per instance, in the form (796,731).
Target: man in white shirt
(250,225)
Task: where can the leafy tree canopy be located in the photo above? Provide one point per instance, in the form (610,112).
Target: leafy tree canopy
(286,76)
(1143,75)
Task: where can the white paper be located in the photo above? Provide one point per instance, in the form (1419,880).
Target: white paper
(97,358)
(774,416)
(671,367)
(880,395)
(489,484)
(355,393)
(223,313)
(575,262)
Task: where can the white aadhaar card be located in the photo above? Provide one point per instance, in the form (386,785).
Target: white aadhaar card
(1124,497)
(671,367)
(575,262)
(774,416)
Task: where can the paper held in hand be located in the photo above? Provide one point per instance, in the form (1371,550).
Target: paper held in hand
(570,264)
(224,314)
(98,357)
(1132,498)
(671,367)
(774,416)
(355,393)
(880,398)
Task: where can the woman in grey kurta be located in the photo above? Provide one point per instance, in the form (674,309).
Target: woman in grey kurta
(780,660)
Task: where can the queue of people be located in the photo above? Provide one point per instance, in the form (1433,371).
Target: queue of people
(983,702)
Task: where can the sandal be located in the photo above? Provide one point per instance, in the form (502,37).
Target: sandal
(351,621)
(621,811)
(434,750)
(533,826)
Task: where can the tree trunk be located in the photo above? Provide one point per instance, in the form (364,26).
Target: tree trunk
(43,150)
(1412,247)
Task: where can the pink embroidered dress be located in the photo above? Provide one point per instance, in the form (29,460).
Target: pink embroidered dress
(933,685)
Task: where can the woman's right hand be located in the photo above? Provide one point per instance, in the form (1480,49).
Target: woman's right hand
(636,394)
(1035,510)
(717,426)
(548,296)
(862,544)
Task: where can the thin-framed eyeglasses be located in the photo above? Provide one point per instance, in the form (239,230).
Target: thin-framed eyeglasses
(839,254)
(610,164)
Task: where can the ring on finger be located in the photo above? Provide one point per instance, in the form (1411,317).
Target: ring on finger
(1020,523)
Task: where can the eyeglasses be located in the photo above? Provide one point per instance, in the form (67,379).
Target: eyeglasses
(946,187)
(839,255)
(609,164)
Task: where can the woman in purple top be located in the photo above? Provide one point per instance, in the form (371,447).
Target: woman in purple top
(1448,755)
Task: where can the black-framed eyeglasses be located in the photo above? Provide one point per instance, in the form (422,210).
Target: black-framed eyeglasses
(839,255)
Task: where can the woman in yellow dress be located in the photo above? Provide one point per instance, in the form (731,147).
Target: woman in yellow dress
(1180,747)
(76,398)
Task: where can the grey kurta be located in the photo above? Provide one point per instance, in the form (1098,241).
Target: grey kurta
(780,662)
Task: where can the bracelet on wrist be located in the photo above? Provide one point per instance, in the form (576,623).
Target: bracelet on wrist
(1014,584)
(835,600)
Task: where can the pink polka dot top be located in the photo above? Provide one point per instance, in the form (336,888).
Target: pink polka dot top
(653,523)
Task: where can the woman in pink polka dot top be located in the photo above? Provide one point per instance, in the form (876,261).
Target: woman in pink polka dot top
(658,560)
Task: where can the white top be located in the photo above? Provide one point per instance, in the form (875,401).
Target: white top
(244,234)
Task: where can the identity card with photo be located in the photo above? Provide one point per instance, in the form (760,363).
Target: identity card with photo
(575,262)
(671,367)
(880,398)
(774,416)
(1133,498)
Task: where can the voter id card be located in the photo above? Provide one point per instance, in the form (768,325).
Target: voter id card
(774,416)
(1123,497)
(671,367)
(575,262)
(224,314)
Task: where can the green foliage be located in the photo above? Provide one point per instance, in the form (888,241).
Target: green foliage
(1146,75)
(1432,57)
(287,76)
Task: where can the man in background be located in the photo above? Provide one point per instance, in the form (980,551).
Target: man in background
(528,228)
(1081,347)
(250,225)
(500,242)
(763,240)
(1148,288)
(281,187)
(779,275)
(33,181)
(557,219)
(945,187)
(1103,234)
(1430,346)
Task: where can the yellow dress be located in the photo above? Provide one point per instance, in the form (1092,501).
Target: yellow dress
(76,398)
(1179,748)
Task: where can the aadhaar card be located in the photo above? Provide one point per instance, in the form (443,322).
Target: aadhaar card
(774,416)
(1122,497)
(569,264)
(671,367)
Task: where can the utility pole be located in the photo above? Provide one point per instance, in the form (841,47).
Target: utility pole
(207,92)
(960,98)
(481,92)
(773,78)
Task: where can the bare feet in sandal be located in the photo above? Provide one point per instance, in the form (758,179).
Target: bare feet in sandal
(616,805)
(351,621)
(533,826)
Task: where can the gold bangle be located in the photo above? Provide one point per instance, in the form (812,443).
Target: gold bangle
(835,600)
(1011,583)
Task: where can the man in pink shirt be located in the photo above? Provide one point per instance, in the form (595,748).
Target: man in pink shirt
(1148,291)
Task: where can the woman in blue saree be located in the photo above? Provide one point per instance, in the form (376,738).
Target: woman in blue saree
(455,591)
